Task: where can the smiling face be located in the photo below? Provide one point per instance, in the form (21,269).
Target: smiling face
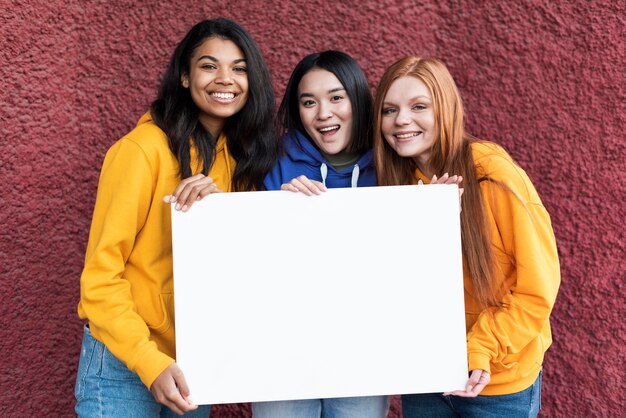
(217,82)
(408,119)
(325,110)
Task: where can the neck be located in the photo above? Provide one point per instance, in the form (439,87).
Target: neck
(342,159)
(212,125)
(424,167)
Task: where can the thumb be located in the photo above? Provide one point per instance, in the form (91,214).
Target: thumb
(181,383)
(473,380)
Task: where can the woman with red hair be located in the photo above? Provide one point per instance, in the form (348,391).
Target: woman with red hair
(510,260)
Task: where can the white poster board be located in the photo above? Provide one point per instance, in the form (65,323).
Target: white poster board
(355,292)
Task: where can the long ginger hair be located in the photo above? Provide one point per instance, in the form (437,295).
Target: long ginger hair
(450,153)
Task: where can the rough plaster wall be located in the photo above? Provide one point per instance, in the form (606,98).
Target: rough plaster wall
(545,79)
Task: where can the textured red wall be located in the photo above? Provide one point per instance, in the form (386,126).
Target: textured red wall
(545,79)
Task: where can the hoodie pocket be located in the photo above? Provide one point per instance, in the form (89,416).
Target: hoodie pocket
(167,306)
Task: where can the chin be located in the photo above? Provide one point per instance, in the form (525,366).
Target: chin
(404,153)
(331,151)
(408,152)
(227,112)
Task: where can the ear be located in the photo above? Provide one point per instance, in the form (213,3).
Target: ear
(184,80)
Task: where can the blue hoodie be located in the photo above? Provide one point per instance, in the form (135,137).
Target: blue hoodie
(302,158)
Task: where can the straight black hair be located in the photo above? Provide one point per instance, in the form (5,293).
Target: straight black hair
(251,138)
(351,76)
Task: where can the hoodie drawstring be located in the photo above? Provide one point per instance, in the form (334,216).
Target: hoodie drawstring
(355,174)
(324,172)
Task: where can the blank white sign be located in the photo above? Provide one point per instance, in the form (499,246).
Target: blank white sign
(355,292)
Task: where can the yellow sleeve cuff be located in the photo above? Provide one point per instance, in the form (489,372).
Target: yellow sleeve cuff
(479,361)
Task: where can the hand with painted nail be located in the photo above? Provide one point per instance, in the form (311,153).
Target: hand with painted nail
(447,179)
(304,185)
(191,190)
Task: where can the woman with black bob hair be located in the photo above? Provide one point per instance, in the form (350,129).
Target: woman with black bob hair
(327,119)
(212,125)
(353,80)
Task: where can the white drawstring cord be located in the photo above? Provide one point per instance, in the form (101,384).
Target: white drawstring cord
(324,172)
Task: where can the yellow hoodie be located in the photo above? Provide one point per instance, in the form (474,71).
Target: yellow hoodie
(510,342)
(126,285)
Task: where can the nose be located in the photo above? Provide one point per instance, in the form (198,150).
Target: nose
(324,111)
(223,76)
(403,117)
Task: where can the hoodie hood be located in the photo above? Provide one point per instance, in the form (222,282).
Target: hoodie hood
(303,158)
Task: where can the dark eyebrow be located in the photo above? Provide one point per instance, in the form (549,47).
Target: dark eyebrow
(335,90)
(212,58)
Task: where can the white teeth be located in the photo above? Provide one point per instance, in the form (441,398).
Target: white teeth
(225,96)
(329,128)
(408,135)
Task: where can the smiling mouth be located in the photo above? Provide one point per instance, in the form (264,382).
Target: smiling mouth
(223,96)
(328,129)
(407,135)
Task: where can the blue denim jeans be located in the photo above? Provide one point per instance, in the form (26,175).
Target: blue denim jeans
(524,404)
(106,388)
(357,407)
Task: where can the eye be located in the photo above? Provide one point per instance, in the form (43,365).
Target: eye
(209,66)
(336,98)
(419,107)
(307,103)
(240,69)
(388,111)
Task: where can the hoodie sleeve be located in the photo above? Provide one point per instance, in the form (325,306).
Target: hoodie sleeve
(122,204)
(274,179)
(522,226)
